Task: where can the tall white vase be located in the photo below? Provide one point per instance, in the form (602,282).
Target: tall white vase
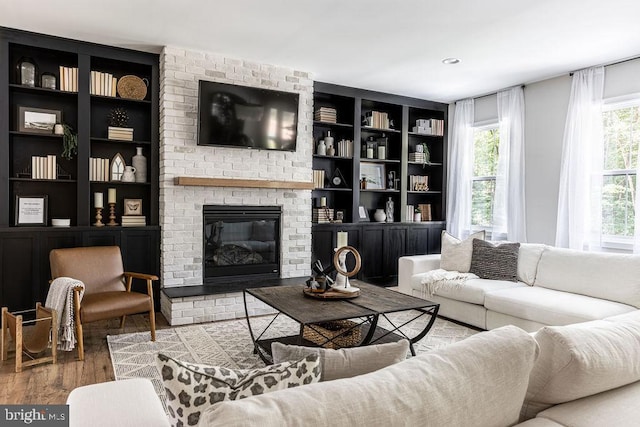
(139,162)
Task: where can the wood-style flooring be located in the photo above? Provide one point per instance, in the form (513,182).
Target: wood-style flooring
(51,384)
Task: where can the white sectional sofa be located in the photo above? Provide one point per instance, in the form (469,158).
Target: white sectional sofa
(555,287)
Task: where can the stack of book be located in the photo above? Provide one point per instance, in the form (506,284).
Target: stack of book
(124,134)
(418,183)
(408,215)
(44,167)
(345,148)
(417,157)
(103,84)
(318,178)
(322,215)
(376,119)
(325,114)
(99,169)
(68,79)
(429,127)
(134,220)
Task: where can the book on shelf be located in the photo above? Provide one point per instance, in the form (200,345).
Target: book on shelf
(44,167)
(325,114)
(133,220)
(345,148)
(68,79)
(377,119)
(103,84)
(429,127)
(425,211)
(322,215)
(124,134)
(99,169)
(408,216)
(318,178)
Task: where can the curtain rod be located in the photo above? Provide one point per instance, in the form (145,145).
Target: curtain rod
(621,61)
(495,92)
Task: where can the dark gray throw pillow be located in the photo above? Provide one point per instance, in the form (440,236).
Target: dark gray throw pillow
(496,262)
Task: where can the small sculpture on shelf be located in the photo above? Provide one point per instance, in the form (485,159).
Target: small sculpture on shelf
(69,142)
(322,281)
(118,121)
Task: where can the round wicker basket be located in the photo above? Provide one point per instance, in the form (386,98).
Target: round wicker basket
(132,87)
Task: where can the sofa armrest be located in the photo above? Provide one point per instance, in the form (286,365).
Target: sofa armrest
(132,402)
(410,265)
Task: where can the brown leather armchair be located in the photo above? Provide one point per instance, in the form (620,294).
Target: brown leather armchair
(107,291)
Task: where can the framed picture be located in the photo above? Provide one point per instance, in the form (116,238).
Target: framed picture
(31,211)
(38,120)
(363,214)
(374,175)
(133,206)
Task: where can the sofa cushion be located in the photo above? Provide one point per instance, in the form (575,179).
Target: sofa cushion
(551,307)
(191,388)
(495,262)
(461,384)
(456,253)
(472,291)
(581,360)
(345,362)
(528,259)
(615,277)
(618,407)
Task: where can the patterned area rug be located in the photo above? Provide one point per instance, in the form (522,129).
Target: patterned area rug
(228,344)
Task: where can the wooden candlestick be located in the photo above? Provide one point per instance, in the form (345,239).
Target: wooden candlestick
(98,222)
(112,214)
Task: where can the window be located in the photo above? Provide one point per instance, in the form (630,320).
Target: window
(621,124)
(485,165)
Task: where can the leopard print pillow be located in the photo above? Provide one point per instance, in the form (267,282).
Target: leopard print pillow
(192,388)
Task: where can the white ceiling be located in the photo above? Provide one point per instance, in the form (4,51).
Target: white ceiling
(393,46)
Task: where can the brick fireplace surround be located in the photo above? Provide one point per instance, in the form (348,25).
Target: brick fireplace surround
(181,206)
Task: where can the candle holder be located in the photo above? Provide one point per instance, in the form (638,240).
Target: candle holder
(112,214)
(98,222)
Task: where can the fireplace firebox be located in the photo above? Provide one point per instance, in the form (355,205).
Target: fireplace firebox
(241,243)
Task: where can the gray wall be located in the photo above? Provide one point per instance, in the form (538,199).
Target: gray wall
(546,105)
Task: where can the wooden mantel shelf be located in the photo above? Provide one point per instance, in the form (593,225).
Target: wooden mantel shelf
(242,183)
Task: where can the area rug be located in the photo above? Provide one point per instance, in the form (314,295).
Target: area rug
(228,344)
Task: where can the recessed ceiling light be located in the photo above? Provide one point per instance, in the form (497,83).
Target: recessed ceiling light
(450,61)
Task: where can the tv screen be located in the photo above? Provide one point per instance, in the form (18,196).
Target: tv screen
(248,117)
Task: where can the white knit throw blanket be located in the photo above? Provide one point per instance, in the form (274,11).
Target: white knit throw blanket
(435,280)
(60,298)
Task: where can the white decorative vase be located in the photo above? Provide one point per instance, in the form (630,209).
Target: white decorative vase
(379,215)
(129,174)
(139,163)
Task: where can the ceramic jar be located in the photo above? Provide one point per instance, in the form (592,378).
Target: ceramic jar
(379,215)
(139,162)
(129,174)
(322,148)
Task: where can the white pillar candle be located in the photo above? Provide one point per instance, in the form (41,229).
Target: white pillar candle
(343,239)
(111,195)
(323,202)
(98,201)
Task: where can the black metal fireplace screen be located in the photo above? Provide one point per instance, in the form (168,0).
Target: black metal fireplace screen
(241,242)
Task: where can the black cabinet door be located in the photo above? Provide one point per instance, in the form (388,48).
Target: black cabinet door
(418,241)
(394,244)
(103,237)
(19,274)
(435,239)
(372,253)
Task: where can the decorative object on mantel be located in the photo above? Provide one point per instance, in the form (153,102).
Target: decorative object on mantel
(132,87)
(139,162)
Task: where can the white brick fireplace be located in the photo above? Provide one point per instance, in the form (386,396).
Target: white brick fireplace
(181,206)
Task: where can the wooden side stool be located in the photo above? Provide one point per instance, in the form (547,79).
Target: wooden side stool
(32,342)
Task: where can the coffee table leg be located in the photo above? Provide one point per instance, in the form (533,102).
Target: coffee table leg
(372,330)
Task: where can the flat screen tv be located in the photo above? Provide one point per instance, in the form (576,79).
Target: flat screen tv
(247,117)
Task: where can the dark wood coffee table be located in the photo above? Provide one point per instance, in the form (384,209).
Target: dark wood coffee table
(364,311)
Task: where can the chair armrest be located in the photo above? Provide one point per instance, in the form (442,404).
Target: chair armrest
(411,265)
(140,276)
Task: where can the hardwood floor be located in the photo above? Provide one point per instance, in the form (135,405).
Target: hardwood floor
(50,384)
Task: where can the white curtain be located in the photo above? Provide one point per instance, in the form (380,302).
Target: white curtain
(509,221)
(636,240)
(460,170)
(579,212)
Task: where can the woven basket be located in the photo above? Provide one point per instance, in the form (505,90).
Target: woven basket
(324,331)
(132,87)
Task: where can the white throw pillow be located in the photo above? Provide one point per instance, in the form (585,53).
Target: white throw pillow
(192,388)
(456,253)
